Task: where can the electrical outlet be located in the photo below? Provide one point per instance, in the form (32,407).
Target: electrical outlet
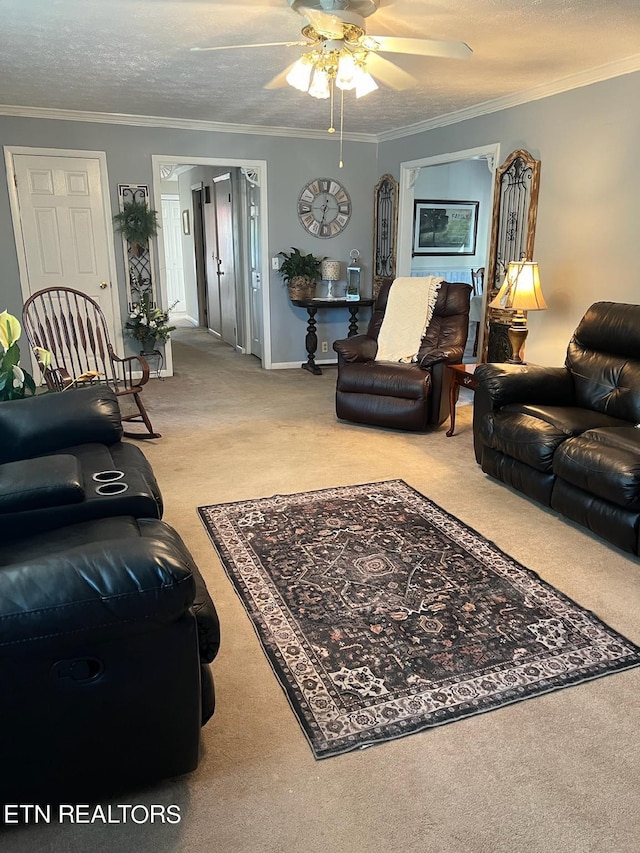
(325,346)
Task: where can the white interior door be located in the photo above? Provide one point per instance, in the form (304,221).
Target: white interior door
(172,237)
(64,228)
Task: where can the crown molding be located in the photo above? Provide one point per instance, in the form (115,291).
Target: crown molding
(619,68)
(174,123)
(545,90)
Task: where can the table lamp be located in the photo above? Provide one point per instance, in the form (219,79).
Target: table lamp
(330,271)
(520,292)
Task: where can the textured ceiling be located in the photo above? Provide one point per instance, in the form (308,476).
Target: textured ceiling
(133,57)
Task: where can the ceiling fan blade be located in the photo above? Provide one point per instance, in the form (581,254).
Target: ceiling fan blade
(280,80)
(325,24)
(266,44)
(423,47)
(389,73)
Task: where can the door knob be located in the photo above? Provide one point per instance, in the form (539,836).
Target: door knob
(103,284)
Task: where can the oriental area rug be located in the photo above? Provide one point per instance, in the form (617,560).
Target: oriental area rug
(383,615)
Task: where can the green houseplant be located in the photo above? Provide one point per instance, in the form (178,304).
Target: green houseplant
(15,381)
(137,223)
(300,273)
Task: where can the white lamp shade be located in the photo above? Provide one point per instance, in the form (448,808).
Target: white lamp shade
(521,288)
(330,270)
(365,84)
(319,87)
(347,72)
(300,75)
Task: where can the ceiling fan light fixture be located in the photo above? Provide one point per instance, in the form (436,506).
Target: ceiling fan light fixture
(319,87)
(365,84)
(300,75)
(347,72)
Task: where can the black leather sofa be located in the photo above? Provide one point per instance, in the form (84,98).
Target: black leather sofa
(106,626)
(568,436)
(62,459)
(403,396)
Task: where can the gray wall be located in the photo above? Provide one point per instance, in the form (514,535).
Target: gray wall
(587,241)
(291,163)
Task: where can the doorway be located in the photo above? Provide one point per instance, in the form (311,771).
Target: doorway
(224,244)
(463,176)
(218,256)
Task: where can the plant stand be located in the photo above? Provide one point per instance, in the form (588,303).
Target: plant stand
(155,359)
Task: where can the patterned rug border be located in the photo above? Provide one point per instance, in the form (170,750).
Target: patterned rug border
(598,671)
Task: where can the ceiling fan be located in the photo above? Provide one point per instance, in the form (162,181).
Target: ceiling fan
(341,51)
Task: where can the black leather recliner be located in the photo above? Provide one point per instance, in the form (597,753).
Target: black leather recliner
(403,396)
(62,460)
(568,436)
(106,626)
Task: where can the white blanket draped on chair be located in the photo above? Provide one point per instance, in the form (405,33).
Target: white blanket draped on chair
(409,310)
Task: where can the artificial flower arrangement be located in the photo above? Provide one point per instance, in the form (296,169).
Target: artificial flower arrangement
(15,381)
(145,321)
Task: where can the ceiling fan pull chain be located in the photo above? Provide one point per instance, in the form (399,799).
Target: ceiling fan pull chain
(341,164)
(331,90)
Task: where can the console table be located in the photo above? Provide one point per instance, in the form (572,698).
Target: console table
(312,305)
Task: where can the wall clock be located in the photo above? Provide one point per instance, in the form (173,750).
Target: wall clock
(324,207)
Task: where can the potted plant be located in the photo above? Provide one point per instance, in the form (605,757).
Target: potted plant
(146,323)
(137,223)
(300,273)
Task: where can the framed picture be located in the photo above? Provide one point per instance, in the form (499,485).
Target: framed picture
(445,227)
(186,227)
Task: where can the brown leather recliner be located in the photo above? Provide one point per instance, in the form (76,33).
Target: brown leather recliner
(403,396)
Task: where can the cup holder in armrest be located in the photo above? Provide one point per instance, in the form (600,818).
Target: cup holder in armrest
(108,476)
(111,488)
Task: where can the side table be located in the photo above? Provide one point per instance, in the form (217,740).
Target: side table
(461,375)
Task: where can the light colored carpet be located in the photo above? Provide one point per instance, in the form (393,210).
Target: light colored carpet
(557,773)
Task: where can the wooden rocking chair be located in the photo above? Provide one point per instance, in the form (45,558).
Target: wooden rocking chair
(71,326)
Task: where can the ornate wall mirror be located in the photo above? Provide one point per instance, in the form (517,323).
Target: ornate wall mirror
(385,228)
(513,228)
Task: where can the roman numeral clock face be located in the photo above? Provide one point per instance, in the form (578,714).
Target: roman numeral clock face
(324,207)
